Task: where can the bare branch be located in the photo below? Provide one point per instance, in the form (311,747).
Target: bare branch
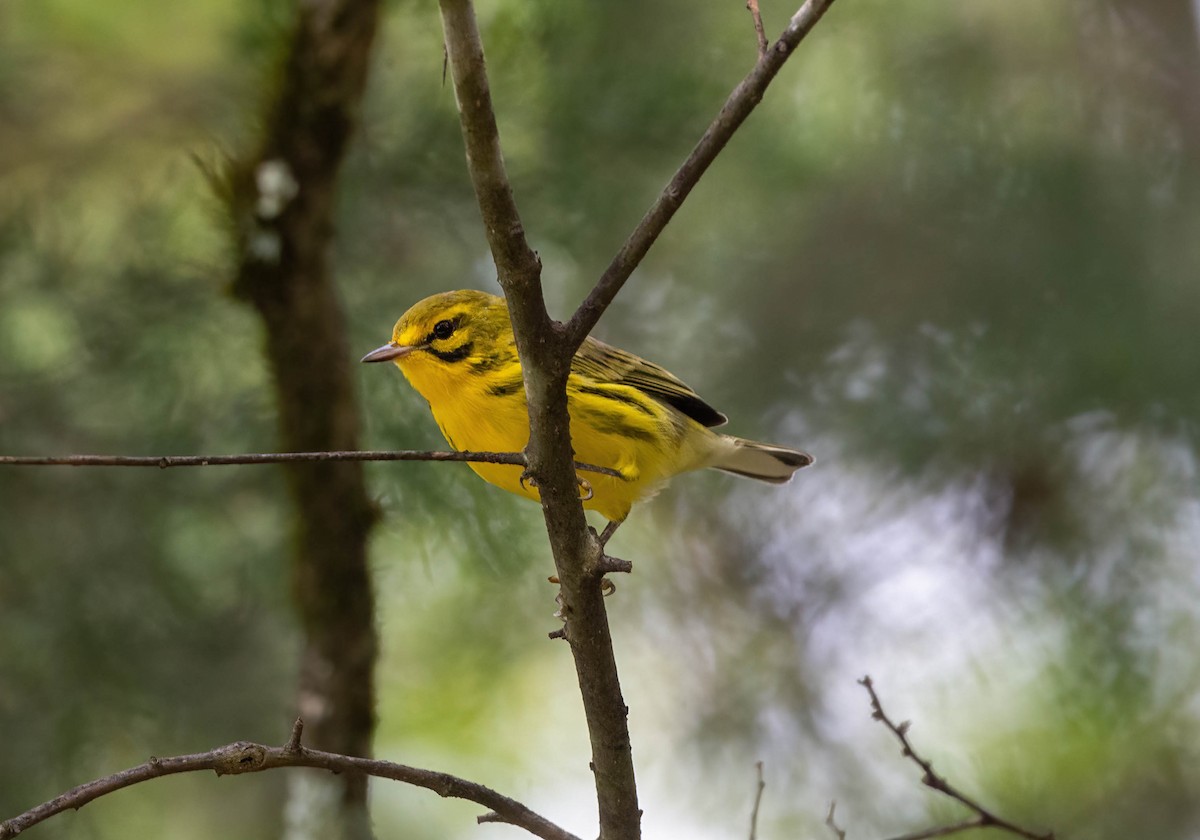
(758,792)
(545,363)
(925,834)
(985,818)
(165,461)
(832,823)
(545,349)
(759,31)
(734,112)
(293,743)
(245,757)
(945,830)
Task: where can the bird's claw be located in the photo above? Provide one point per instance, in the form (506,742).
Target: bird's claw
(528,481)
(607,587)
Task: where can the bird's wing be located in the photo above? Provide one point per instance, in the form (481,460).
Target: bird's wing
(607,364)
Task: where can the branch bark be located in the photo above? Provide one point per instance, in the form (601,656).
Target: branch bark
(545,360)
(282,199)
(245,757)
(760,33)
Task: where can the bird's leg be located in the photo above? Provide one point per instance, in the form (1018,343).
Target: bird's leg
(609,530)
(586,488)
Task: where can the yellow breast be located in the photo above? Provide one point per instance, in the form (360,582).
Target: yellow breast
(611,426)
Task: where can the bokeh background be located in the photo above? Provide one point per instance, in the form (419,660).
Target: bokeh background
(955,254)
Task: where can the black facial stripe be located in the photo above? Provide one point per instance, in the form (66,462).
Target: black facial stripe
(455,355)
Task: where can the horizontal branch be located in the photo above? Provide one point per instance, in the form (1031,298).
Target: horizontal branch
(245,757)
(165,461)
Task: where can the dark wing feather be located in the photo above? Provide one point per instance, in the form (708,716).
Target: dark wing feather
(605,363)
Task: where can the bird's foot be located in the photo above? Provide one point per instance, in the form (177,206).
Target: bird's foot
(561,632)
(607,587)
(528,481)
(558,602)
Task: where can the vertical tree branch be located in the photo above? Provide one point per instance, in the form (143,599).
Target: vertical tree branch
(546,348)
(546,359)
(282,200)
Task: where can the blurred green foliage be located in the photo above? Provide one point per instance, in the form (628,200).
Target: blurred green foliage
(953,253)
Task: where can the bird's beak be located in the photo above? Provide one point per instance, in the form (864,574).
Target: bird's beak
(388,352)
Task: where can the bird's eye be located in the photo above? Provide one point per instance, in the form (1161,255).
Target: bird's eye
(443,329)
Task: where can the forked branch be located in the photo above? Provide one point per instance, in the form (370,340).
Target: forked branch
(546,348)
(983,818)
(545,361)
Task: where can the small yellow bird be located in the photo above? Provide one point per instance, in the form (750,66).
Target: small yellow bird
(627,414)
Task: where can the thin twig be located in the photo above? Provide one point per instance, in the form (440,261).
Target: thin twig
(165,461)
(986,819)
(945,830)
(293,743)
(733,113)
(245,757)
(759,30)
(832,823)
(758,792)
(925,834)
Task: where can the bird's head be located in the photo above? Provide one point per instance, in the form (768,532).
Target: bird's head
(447,335)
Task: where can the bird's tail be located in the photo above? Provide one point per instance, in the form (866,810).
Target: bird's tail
(762,461)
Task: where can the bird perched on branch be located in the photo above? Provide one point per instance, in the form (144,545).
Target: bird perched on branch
(627,414)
